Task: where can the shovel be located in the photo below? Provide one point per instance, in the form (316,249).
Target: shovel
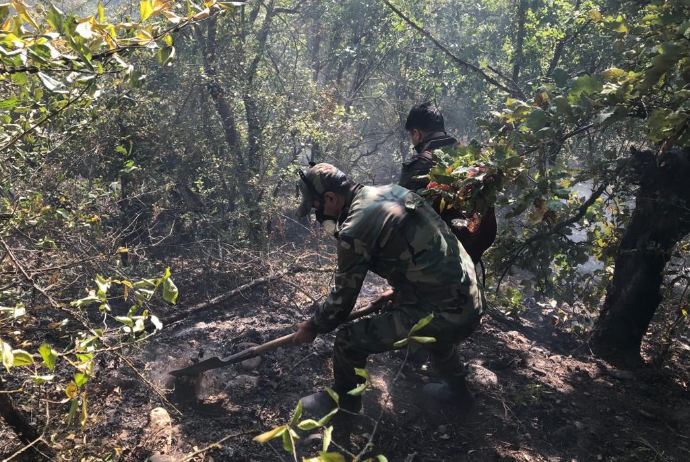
(216,362)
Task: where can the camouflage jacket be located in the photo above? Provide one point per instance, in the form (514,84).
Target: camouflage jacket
(397,235)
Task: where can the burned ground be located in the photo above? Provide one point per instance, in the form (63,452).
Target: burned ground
(540,395)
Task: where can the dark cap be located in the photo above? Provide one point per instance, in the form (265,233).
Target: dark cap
(316,182)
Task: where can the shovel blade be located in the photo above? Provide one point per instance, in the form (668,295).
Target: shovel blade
(198,368)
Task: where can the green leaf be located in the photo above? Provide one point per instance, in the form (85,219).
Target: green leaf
(333,395)
(381,458)
(327,438)
(363,373)
(22,358)
(125,320)
(103,286)
(421,323)
(537,119)
(513,162)
(358,391)
(49,356)
(23,12)
(297,414)
(39,379)
(400,343)
(53,86)
(595,16)
(46,243)
(7,356)
(145,9)
(84,30)
(144,283)
(56,19)
(269,435)
(611,115)
(170,291)
(423,340)
(287,442)
(587,85)
(308,424)
(555,205)
(86,301)
(80,379)
(563,106)
(4,9)
(327,418)
(72,411)
(331,457)
(9,103)
(613,74)
(165,55)
(560,77)
(669,54)
(101,13)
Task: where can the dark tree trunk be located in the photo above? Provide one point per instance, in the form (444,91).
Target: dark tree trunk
(661,218)
(25,432)
(217,93)
(520,39)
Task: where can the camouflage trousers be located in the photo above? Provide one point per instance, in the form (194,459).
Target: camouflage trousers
(355,342)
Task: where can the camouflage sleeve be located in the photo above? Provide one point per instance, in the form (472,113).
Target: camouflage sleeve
(353,264)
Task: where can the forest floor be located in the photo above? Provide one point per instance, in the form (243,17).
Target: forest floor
(540,395)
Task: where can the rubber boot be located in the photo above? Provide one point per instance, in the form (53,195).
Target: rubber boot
(454,391)
(319,404)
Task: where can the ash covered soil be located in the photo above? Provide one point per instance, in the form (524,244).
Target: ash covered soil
(540,395)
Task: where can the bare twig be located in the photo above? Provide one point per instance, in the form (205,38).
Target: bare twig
(146,381)
(389,395)
(263,406)
(217,444)
(238,291)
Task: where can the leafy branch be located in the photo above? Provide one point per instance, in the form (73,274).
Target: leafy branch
(512,88)
(289,435)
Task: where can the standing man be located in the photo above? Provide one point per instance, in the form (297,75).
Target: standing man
(427,131)
(397,235)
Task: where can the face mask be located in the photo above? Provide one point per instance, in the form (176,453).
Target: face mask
(328,223)
(322,217)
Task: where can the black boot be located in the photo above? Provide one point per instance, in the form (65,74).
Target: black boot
(454,391)
(319,404)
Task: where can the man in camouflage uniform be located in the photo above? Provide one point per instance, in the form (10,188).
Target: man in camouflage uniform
(397,235)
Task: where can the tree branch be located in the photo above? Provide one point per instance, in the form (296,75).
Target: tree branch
(45,119)
(561,46)
(513,91)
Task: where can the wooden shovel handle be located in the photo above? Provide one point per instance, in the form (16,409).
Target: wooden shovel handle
(287,339)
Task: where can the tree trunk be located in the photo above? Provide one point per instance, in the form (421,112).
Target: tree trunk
(520,39)
(661,219)
(25,432)
(217,93)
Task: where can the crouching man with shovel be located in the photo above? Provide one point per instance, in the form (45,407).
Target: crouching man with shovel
(397,235)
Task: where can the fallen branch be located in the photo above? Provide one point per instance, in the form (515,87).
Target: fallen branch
(217,444)
(239,290)
(16,420)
